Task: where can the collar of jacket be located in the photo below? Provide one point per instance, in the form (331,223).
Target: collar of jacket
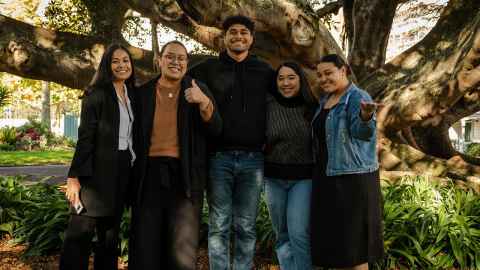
(113,93)
(110,90)
(343,100)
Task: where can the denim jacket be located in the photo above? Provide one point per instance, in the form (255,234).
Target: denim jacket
(351,142)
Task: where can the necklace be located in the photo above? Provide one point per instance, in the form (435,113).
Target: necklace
(171,92)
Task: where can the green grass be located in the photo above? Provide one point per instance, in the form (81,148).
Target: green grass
(27,158)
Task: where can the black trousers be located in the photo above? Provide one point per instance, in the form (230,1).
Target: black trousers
(165,223)
(77,244)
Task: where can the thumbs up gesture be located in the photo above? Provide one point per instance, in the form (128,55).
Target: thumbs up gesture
(195,95)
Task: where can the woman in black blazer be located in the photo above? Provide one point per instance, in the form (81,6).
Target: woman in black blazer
(98,179)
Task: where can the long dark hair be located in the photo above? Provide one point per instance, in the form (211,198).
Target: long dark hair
(173,42)
(104,76)
(305,93)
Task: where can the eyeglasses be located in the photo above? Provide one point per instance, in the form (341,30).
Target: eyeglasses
(176,58)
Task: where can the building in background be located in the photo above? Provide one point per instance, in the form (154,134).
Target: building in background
(465,132)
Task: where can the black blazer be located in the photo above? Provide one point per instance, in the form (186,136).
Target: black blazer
(192,132)
(95,160)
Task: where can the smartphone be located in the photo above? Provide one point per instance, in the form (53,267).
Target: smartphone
(78,206)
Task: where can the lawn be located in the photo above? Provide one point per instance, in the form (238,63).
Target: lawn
(26,158)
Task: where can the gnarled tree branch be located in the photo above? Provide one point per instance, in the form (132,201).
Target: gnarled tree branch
(65,58)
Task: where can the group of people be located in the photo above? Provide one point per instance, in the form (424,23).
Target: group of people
(233,126)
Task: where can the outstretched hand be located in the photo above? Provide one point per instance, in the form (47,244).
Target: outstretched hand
(368,108)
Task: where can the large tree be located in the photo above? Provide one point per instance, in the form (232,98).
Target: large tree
(425,89)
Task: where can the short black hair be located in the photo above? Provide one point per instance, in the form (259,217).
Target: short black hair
(239,19)
(336,60)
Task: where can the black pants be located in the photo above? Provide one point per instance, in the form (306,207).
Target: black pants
(77,244)
(165,223)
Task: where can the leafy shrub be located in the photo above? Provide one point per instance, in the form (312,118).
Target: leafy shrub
(265,233)
(70,142)
(473,150)
(430,226)
(34,135)
(8,135)
(427,225)
(7,147)
(59,142)
(35,130)
(5,95)
(35,215)
(124,235)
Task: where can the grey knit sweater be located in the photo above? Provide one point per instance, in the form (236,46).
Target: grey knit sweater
(288,151)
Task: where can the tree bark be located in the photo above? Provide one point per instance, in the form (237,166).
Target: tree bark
(427,89)
(65,58)
(348,23)
(367,50)
(421,86)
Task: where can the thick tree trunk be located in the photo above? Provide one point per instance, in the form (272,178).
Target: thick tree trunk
(367,51)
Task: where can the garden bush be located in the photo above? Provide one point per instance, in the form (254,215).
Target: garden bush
(8,135)
(427,225)
(33,135)
(430,226)
(5,95)
(35,215)
(7,147)
(473,149)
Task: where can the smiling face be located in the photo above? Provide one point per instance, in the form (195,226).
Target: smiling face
(173,62)
(331,78)
(121,65)
(238,39)
(288,82)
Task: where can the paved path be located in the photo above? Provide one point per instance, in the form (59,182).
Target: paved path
(51,174)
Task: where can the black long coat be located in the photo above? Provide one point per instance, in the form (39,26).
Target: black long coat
(95,161)
(192,132)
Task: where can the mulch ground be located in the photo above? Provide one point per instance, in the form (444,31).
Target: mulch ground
(11,259)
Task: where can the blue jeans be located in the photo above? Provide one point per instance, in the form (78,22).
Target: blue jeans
(234,188)
(289,206)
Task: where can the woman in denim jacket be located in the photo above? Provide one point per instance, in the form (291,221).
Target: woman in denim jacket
(346,229)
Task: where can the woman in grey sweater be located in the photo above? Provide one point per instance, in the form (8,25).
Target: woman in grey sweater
(288,165)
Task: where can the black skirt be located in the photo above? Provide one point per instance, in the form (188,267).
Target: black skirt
(346,219)
(122,194)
